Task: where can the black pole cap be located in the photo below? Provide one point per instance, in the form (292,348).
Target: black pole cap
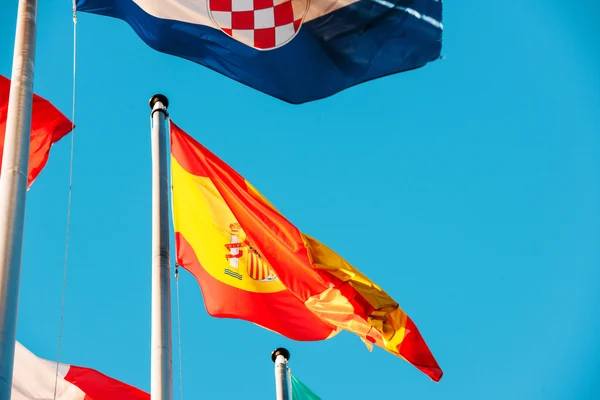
(280,351)
(159,97)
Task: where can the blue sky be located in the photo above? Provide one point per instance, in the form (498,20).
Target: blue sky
(468,190)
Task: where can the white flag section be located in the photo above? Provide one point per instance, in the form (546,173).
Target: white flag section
(34,379)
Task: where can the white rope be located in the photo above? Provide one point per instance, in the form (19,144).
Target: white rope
(178,333)
(64,285)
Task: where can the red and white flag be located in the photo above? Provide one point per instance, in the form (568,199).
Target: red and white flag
(34,379)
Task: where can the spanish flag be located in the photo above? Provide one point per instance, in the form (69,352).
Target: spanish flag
(253,264)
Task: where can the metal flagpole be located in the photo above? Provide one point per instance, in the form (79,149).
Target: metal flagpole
(13,186)
(282,382)
(161,381)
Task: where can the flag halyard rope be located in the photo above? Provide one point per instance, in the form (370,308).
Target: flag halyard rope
(68,228)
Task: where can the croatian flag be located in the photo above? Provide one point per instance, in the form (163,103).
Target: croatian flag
(294,50)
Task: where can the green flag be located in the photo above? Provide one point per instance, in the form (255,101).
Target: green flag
(300,391)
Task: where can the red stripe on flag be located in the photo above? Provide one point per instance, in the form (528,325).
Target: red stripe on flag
(414,349)
(98,386)
(183,148)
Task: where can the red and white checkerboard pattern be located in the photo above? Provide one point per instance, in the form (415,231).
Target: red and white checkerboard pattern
(263,24)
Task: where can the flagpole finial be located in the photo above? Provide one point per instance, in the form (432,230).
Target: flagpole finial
(159,97)
(280,351)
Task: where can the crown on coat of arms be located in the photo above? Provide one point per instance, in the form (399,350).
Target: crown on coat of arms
(235,227)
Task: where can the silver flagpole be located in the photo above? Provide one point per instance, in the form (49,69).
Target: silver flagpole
(13,186)
(161,378)
(282,382)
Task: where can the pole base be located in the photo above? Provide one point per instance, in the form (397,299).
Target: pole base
(280,351)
